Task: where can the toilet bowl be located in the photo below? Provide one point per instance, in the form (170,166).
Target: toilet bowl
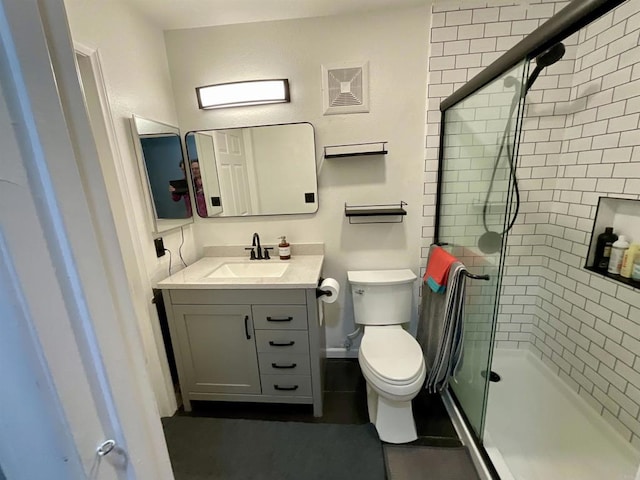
(391,360)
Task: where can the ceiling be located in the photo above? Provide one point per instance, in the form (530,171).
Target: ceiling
(174,14)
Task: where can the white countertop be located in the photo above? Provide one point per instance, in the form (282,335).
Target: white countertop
(303,272)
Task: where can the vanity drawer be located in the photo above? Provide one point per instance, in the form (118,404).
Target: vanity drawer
(286,385)
(282,341)
(268,296)
(277,317)
(284,364)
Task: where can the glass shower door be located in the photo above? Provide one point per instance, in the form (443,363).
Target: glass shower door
(477,196)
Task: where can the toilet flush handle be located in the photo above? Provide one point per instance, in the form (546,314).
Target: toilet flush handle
(359,291)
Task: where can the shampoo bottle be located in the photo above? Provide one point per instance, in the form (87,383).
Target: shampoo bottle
(635,275)
(617,253)
(629,259)
(284,249)
(603,248)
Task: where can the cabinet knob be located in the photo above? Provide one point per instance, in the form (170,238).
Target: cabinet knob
(281,344)
(279,319)
(286,388)
(246,327)
(292,365)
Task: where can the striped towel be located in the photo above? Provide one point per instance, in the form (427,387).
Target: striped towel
(441,332)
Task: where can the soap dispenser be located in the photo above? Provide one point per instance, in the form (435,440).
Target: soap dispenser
(284,249)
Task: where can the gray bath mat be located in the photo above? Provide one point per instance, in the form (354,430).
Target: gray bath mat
(428,463)
(231,449)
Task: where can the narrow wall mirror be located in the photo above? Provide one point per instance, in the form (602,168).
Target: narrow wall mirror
(261,170)
(162,170)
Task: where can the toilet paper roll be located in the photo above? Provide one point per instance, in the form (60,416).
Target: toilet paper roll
(332,287)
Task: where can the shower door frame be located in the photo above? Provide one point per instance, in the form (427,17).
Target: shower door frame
(569,20)
(456,406)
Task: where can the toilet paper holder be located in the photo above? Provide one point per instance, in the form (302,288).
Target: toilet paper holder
(321,293)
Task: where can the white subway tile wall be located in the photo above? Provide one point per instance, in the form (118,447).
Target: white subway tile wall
(580,141)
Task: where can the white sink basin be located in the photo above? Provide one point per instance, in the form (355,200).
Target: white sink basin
(249,270)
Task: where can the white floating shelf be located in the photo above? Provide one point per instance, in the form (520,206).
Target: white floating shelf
(385,210)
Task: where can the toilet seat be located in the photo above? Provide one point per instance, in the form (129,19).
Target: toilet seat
(391,355)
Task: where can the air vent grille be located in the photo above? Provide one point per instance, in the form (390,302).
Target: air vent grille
(345,87)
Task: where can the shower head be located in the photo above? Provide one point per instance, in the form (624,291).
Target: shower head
(510,81)
(490,242)
(551,56)
(544,60)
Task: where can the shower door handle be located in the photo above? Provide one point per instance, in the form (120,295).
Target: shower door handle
(477,277)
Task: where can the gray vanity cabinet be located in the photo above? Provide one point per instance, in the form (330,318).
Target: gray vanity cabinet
(222,348)
(260,345)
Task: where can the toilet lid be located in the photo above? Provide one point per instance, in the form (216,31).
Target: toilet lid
(380,277)
(392,354)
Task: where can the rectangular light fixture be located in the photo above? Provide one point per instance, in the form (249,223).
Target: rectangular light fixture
(239,94)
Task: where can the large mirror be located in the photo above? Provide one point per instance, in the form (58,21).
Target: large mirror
(163,173)
(263,170)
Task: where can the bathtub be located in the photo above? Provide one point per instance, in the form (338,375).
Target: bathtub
(537,428)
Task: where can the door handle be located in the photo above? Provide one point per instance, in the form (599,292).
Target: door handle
(246,327)
(279,319)
(275,365)
(281,344)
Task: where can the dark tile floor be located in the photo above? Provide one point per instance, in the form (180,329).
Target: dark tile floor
(345,402)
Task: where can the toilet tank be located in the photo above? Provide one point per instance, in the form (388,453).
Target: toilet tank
(382,297)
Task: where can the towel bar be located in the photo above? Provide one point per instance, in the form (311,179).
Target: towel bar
(476,277)
(468,274)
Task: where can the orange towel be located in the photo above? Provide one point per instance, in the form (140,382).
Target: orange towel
(438,266)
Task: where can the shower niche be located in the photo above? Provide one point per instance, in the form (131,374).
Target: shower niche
(623,214)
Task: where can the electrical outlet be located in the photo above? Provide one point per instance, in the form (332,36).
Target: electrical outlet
(159,247)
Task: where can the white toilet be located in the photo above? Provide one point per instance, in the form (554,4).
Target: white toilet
(390,358)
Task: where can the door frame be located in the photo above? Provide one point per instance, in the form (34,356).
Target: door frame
(111,171)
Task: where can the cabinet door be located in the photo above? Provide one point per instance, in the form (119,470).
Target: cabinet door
(218,348)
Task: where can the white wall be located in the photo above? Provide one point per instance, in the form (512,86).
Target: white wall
(589,325)
(395,44)
(137,80)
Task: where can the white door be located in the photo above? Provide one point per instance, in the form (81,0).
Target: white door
(208,173)
(231,161)
(64,304)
